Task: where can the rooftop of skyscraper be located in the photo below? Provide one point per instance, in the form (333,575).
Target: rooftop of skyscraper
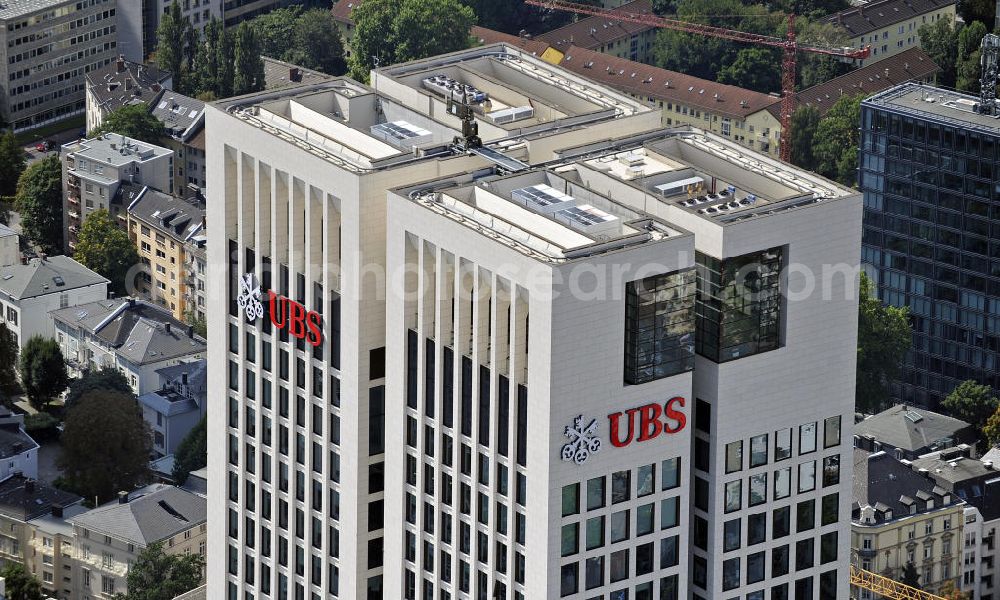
(947,106)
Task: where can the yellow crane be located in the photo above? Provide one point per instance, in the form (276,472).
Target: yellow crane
(887,588)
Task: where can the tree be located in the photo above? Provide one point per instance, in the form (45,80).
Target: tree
(837,139)
(394,31)
(105,445)
(248,70)
(8,364)
(277,30)
(910,576)
(753,69)
(157,575)
(967,65)
(20,584)
(170,43)
(514,16)
(226,57)
(805,120)
(40,202)
(940,41)
(12,163)
(977,10)
(972,403)
(814,68)
(191,453)
(105,248)
(992,429)
(197,322)
(42,370)
(949,591)
(884,337)
(103,379)
(317,43)
(133,121)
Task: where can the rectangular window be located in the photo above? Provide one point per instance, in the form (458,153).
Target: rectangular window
(734,495)
(595,493)
(758,489)
(659,325)
(782,444)
(621,484)
(670,474)
(807,438)
(734,456)
(807,476)
(758,450)
(831,432)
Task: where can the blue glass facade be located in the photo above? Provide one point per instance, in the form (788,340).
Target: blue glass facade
(930,173)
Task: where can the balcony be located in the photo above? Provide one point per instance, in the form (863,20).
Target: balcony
(73,214)
(74,200)
(867,552)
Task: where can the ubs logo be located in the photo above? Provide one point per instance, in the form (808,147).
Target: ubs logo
(647,422)
(283,311)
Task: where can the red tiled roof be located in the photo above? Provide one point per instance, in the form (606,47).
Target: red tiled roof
(669,86)
(909,65)
(490,36)
(594,32)
(342,10)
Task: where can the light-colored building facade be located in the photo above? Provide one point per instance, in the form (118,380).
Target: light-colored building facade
(133,336)
(46,49)
(139,19)
(890,26)
(94,169)
(437,424)
(183,121)
(165,229)
(29,291)
(624,39)
(173,410)
(901,517)
(122,83)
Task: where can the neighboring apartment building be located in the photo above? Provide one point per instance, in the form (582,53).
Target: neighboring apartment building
(183,121)
(900,516)
(735,113)
(30,290)
(442,448)
(174,409)
(889,26)
(94,169)
(110,537)
(18,451)
(623,39)
(138,21)
(977,482)
(931,235)
(49,46)
(279,74)
(28,537)
(906,432)
(122,83)
(165,229)
(133,336)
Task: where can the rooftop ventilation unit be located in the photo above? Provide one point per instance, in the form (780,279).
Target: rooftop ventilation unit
(509,115)
(401,134)
(460,92)
(588,219)
(679,186)
(543,198)
(632,159)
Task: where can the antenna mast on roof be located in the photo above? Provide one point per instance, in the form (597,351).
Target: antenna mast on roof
(990,53)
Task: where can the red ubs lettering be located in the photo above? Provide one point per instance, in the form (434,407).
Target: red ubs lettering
(301,323)
(653,420)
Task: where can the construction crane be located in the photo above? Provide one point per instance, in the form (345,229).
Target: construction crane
(788,45)
(888,588)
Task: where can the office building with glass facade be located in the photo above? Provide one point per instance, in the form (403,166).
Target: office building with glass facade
(479,375)
(931,183)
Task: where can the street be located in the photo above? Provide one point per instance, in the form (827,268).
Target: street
(57,140)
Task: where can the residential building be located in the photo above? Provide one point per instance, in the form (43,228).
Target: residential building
(110,537)
(901,517)
(741,115)
(889,26)
(527,43)
(279,74)
(18,451)
(342,11)
(94,169)
(138,21)
(907,432)
(50,46)
(977,482)
(183,121)
(623,39)
(25,536)
(122,83)
(427,417)
(165,229)
(29,291)
(931,234)
(195,272)
(173,410)
(133,336)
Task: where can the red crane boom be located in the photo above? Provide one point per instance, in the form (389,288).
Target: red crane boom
(788,45)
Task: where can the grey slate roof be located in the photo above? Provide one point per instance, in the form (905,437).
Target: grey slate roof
(13,440)
(977,481)
(139,332)
(861,20)
(180,218)
(43,276)
(24,499)
(277,74)
(894,428)
(181,115)
(124,82)
(592,32)
(153,513)
(880,478)
(6,231)
(198,593)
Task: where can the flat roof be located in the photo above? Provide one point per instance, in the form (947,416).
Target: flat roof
(945,106)
(115,150)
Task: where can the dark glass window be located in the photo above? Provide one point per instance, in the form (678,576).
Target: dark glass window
(739,305)
(659,326)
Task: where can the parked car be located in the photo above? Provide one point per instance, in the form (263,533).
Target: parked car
(43,146)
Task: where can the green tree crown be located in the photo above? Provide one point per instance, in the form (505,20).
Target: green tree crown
(42,370)
(105,248)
